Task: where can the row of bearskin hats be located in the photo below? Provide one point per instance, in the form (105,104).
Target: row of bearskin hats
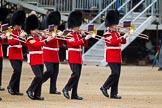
(74,20)
(32,23)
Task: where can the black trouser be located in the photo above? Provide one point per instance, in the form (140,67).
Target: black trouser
(36,84)
(15,78)
(1,66)
(52,73)
(113,79)
(74,79)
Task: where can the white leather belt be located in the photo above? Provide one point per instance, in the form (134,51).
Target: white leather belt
(15,46)
(48,48)
(75,49)
(35,52)
(113,48)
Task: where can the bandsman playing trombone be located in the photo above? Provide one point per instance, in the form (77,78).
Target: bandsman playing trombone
(74,44)
(113,42)
(3,15)
(15,54)
(34,43)
(51,52)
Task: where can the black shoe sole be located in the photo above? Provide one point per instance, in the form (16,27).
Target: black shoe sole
(77,98)
(111,97)
(57,93)
(41,99)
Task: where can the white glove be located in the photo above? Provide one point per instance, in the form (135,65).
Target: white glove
(42,33)
(93,35)
(88,37)
(49,38)
(3,36)
(7,34)
(23,34)
(126,35)
(60,33)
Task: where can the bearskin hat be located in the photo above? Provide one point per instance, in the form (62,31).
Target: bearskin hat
(18,18)
(53,18)
(75,19)
(31,23)
(112,18)
(3,14)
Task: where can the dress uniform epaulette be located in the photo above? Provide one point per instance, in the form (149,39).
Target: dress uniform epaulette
(31,39)
(69,34)
(107,33)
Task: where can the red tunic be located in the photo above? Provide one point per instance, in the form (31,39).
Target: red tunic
(1,50)
(51,51)
(15,47)
(113,50)
(34,46)
(75,48)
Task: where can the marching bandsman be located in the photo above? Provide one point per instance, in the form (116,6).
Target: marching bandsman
(35,58)
(74,45)
(51,53)
(113,42)
(3,16)
(15,54)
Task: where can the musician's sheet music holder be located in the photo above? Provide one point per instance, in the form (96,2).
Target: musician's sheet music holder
(90,27)
(126,23)
(4,27)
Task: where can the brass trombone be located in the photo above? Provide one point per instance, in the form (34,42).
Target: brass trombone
(8,33)
(131,30)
